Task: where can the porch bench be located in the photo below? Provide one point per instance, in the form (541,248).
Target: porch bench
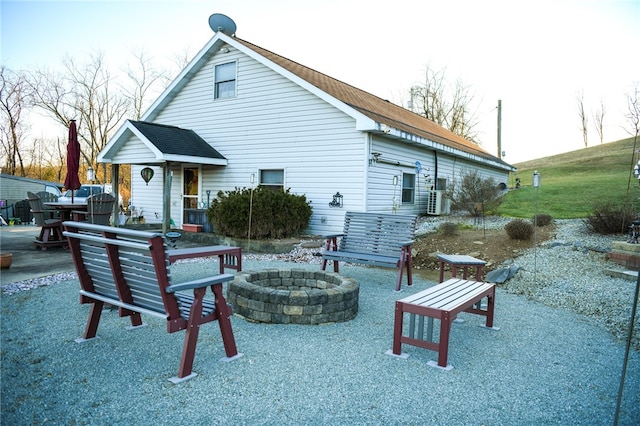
(128,269)
(375,239)
(444,302)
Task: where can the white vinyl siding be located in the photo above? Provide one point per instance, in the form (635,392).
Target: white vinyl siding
(273,124)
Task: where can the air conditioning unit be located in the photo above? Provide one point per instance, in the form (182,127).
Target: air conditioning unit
(437,203)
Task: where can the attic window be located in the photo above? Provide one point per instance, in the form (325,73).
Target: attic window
(225,81)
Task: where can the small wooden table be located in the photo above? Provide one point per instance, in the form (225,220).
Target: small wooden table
(443,302)
(461,261)
(65,208)
(229,257)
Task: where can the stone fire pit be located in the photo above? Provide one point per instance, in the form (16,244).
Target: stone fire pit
(294,296)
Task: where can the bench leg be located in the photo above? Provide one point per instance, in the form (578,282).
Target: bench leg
(224,322)
(397,330)
(191,335)
(94,319)
(409,265)
(331,244)
(405,261)
(443,344)
(490,307)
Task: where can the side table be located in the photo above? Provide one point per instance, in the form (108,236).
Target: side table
(465,262)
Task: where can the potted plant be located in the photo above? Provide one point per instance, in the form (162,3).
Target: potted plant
(5,260)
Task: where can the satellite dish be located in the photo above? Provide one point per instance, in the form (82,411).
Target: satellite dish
(222,23)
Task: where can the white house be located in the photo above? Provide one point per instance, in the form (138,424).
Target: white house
(239,115)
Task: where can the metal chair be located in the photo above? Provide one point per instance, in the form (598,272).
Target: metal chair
(50,227)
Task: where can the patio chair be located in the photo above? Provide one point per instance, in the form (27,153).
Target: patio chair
(99,209)
(50,228)
(48,197)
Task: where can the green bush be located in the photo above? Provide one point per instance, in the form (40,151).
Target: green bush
(274,214)
(519,229)
(611,218)
(542,219)
(448,229)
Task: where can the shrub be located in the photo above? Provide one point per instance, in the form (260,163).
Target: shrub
(611,218)
(473,190)
(274,214)
(542,219)
(448,229)
(519,229)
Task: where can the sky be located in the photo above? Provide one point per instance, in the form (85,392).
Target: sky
(536,57)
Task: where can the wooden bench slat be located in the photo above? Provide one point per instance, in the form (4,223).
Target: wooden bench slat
(443,302)
(375,239)
(129,269)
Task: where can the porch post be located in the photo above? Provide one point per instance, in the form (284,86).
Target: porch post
(115,185)
(166,205)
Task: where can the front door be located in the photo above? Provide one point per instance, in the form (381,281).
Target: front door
(190,189)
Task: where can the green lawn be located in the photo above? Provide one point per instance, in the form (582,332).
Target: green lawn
(573,183)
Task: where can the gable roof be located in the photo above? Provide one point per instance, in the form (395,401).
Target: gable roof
(371,112)
(379,110)
(167,143)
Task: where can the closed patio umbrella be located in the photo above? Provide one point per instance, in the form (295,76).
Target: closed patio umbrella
(72,181)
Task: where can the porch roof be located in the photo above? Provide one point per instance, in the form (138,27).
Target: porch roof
(165,143)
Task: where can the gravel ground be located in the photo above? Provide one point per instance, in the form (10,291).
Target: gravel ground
(554,360)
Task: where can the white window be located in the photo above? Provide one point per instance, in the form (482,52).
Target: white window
(225,81)
(272,179)
(408,188)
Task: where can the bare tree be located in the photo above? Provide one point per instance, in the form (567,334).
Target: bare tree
(461,120)
(584,119)
(598,117)
(446,106)
(145,80)
(633,113)
(633,117)
(14,97)
(85,93)
(45,159)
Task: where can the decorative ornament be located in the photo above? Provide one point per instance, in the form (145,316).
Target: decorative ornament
(147,174)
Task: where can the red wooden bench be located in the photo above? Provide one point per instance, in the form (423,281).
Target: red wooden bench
(465,262)
(443,302)
(128,269)
(374,239)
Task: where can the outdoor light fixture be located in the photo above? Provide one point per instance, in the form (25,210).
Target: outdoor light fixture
(91,175)
(395,180)
(147,174)
(337,200)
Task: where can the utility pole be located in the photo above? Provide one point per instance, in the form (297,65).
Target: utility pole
(499,129)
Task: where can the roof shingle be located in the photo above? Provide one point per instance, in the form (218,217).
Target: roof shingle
(379,110)
(176,141)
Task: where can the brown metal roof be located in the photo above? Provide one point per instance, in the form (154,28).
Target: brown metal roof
(379,110)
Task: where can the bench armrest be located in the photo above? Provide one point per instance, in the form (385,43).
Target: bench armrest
(408,243)
(333,236)
(203,282)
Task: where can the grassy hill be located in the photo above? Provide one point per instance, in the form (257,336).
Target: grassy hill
(573,183)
